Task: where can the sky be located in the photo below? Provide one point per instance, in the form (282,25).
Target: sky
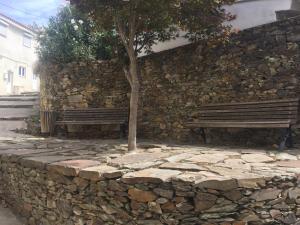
(30,11)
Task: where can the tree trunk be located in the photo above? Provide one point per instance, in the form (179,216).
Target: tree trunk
(134,101)
(128,39)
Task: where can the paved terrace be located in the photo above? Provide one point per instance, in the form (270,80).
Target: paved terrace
(192,163)
(182,184)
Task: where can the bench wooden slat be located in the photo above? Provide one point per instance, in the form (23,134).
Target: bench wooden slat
(88,115)
(94,113)
(260,122)
(246,119)
(100,108)
(275,113)
(92,122)
(94,116)
(250,105)
(102,112)
(258,114)
(240,124)
(96,110)
(252,114)
(263,114)
(221,125)
(273,105)
(257,103)
(283,109)
(225,115)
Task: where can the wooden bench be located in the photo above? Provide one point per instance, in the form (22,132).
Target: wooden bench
(96,116)
(283,114)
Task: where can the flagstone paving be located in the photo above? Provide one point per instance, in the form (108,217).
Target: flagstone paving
(207,162)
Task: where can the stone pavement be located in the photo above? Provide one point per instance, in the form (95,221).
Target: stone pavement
(7,128)
(193,163)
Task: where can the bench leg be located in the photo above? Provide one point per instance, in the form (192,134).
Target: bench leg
(200,131)
(123,131)
(203,135)
(287,139)
(52,131)
(290,141)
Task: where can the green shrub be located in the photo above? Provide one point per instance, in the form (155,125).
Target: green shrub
(71,36)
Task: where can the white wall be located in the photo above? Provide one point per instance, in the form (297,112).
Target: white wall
(14,54)
(249,13)
(256,12)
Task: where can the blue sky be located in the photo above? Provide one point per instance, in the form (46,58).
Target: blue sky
(29,11)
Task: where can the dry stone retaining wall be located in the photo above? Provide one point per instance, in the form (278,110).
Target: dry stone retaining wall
(82,192)
(96,182)
(260,64)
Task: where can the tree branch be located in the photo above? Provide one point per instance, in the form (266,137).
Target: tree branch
(121,29)
(132,22)
(146,40)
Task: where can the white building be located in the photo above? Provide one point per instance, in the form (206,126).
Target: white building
(17,57)
(252,13)
(249,13)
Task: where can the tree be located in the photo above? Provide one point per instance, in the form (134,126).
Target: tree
(139,24)
(70,36)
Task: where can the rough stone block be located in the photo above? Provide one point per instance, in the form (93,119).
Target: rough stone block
(41,162)
(72,167)
(204,201)
(141,196)
(183,166)
(266,194)
(99,172)
(257,158)
(221,185)
(152,175)
(137,158)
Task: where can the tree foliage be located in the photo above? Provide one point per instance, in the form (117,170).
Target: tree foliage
(139,24)
(71,36)
(157,21)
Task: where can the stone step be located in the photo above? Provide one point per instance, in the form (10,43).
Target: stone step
(8,114)
(18,103)
(12,125)
(16,106)
(25,95)
(13,119)
(30,93)
(18,98)
(22,94)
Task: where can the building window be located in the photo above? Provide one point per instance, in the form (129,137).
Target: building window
(6,78)
(3,30)
(27,41)
(22,71)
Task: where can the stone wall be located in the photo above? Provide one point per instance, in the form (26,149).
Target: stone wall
(50,184)
(81,85)
(258,64)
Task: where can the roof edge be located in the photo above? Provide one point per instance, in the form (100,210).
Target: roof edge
(16,23)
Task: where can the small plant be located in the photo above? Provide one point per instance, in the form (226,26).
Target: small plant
(72,36)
